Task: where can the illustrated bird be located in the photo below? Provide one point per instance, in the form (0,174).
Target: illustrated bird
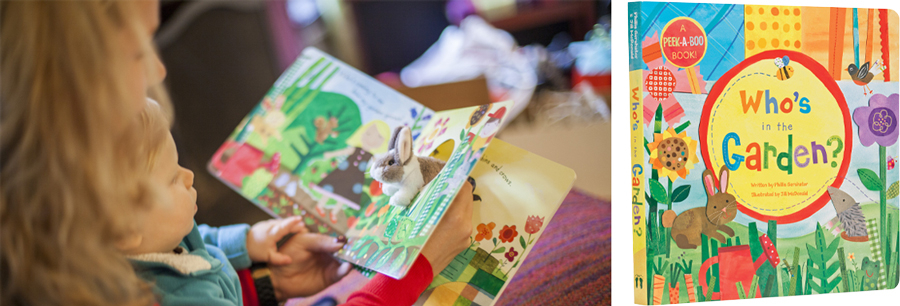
(863,75)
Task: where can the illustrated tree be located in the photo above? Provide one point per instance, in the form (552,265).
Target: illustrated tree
(321,126)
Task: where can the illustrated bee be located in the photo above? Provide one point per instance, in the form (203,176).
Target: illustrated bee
(785,71)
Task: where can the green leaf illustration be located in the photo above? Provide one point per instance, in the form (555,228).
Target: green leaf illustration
(893,191)
(650,199)
(870,179)
(522,242)
(658,192)
(681,193)
(500,250)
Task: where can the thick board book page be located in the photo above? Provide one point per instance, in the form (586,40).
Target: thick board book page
(304,149)
(516,194)
(764,141)
(388,238)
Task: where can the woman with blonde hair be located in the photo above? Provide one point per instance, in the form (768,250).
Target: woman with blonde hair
(68,148)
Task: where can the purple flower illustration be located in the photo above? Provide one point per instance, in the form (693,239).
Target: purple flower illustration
(878,121)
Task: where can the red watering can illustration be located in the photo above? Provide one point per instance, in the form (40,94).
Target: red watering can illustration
(737,265)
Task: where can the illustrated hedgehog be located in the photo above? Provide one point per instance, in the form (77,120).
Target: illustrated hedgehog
(851,218)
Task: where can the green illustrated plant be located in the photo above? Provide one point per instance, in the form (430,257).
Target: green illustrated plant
(819,255)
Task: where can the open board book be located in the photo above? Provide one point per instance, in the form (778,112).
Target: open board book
(305,150)
(764,146)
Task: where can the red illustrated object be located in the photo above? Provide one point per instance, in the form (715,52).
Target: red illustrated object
(660,83)
(234,161)
(737,265)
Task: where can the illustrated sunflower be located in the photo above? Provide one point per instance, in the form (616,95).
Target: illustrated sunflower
(477,115)
(673,153)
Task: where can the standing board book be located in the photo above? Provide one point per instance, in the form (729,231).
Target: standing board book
(764,145)
(305,151)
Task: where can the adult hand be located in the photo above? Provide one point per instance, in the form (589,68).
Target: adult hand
(451,236)
(263,238)
(312,267)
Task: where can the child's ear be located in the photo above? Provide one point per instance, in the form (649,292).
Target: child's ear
(130,243)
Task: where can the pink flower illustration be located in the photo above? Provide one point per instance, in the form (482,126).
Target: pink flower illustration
(533,224)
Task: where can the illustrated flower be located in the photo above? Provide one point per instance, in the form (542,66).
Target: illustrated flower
(485,231)
(673,154)
(878,121)
(439,129)
(508,233)
(852,256)
(511,255)
(533,224)
(478,114)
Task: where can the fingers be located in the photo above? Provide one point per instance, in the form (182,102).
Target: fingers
(320,243)
(342,270)
(286,226)
(279,259)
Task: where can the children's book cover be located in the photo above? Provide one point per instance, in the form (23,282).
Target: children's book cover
(764,144)
(305,151)
(517,193)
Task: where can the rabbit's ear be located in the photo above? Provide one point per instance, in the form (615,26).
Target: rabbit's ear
(723,179)
(709,183)
(393,143)
(404,145)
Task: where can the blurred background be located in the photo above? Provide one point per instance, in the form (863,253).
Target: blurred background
(552,57)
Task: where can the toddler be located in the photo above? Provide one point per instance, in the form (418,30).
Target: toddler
(186,263)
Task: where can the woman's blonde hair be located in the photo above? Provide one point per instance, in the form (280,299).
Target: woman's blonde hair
(69,163)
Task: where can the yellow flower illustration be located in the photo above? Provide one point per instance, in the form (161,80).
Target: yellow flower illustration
(478,114)
(673,154)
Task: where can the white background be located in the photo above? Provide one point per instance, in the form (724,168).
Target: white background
(622,260)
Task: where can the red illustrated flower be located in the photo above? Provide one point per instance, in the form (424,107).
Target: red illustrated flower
(485,231)
(508,233)
(533,224)
(375,188)
(511,255)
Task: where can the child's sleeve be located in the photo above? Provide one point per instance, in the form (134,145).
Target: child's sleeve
(231,239)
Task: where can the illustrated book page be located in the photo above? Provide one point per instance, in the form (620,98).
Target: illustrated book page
(388,238)
(516,194)
(304,150)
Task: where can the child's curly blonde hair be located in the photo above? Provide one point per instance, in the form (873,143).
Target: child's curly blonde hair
(153,129)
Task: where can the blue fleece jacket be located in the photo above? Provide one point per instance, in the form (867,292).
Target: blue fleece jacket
(223,248)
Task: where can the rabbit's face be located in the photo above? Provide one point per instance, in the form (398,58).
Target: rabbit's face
(721,208)
(386,168)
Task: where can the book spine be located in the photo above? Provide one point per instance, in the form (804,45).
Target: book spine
(638,218)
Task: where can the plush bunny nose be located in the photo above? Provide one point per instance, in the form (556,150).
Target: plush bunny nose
(723,209)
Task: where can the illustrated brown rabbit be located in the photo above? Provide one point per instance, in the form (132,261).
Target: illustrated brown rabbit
(401,173)
(720,209)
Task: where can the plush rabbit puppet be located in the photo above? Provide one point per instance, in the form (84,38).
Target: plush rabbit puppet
(401,173)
